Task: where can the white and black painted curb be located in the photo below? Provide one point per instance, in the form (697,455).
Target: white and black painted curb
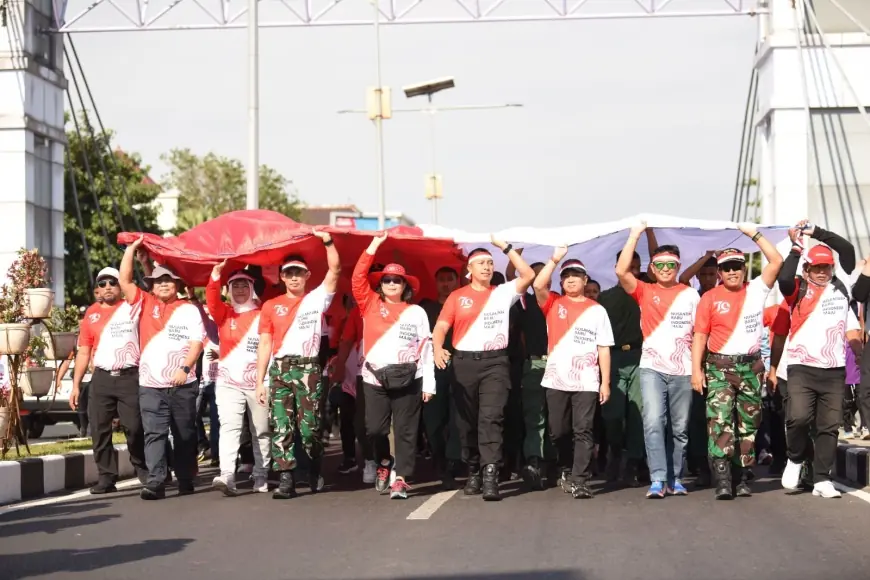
(853,464)
(34,477)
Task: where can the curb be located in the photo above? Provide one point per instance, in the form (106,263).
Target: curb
(34,477)
(853,464)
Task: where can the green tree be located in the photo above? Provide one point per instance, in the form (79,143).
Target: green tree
(211,185)
(118,173)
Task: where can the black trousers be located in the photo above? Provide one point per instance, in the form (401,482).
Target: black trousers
(347,417)
(863,390)
(403,406)
(572,419)
(480,391)
(165,410)
(815,398)
(83,408)
(110,396)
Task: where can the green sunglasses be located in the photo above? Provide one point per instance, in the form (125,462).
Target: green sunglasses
(661,265)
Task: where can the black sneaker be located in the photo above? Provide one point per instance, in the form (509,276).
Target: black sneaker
(185,487)
(474,482)
(532,475)
(103,488)
(149,493)
(286,486)
(348,466)
(581,491)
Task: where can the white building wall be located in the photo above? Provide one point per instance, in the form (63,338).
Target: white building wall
(32,138)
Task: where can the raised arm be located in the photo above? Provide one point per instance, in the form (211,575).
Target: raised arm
(510,273)
(774,259)
(333,262)
(525,274)
(651,241)
(692,271)
(128,286)
(542,280)
(623,265)
(861,289)
(218,309)
(360,287)
(786,278)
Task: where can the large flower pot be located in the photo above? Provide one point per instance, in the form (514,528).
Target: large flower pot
(14,338)
(36,381)
(5,418)
(38,302)
(60,344)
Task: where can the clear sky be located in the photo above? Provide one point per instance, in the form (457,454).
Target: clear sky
(620,117)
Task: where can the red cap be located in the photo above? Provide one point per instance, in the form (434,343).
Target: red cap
(819,255)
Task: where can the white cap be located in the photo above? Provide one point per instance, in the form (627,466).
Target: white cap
(108,273)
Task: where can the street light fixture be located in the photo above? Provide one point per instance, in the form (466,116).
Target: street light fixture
(429,88)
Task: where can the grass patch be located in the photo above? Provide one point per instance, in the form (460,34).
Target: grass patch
(59,448)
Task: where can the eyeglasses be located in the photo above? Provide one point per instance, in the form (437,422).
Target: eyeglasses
(662,265)
(392,280)
(104,283)
(731,266)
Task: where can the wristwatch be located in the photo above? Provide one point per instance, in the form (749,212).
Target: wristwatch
(186,369)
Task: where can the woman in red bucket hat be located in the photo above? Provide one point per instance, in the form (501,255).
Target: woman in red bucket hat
(399,369)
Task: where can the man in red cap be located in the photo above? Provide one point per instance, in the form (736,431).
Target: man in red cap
(290,331)
(726,358)
(822,320)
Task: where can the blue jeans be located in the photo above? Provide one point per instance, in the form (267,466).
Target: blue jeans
(667,404)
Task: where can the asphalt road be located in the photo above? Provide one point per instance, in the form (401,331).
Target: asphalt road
(350,532)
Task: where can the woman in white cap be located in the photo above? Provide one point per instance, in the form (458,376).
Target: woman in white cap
(399,368)
(235,394)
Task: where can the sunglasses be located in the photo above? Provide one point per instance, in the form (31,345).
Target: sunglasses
(662,265)
(731,266)
(392,280)
(293,272)
(104,283)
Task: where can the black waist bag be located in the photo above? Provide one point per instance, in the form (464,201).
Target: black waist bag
(396,376)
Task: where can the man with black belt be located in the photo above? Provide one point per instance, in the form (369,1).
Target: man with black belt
(109,335)
(623,421)
(478,315)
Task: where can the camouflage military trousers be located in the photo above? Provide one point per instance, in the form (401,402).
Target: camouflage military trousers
(733,409)
(296,398)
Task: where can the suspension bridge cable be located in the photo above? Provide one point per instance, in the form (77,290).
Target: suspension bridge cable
(75,196)
(811,135)
(93,188)
(99,153)
(751,149)
(105,136)
(848,15)
(748,160)
(738,182)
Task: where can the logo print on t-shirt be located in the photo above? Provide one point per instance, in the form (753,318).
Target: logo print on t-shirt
(563,312)
(281,310)
(656,299)
(722,306)
(809,294)
(233,324)
(94,317)
(384,312)
(156,312)
(465,302)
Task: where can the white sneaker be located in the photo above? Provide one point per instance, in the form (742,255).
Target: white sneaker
(261,484)
(791,475)
(370,472)
(226,484)
(826,490)
(865,434)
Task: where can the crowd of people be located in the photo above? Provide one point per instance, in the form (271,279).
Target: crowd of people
(647,382)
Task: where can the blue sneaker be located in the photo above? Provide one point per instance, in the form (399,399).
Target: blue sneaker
(656,490)
(677,488)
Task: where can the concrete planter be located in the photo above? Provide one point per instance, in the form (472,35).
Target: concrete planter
(37,381)
(60,344)
(38,302)
(14,338)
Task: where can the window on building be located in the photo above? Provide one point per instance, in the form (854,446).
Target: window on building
(44,43)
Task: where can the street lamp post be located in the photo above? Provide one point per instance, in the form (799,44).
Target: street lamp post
(379,121)
(252,200)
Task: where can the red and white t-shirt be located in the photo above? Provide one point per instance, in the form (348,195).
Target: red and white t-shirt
(733,320)
(667,319)
(575,330)
(819,323)
(480,318)
(112,332)
(353,333)
(239,339)
(296,323)
(165,333)
(392,333)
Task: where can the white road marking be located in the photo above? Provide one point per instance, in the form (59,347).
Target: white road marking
(121,485)
(431,505)
(860,494)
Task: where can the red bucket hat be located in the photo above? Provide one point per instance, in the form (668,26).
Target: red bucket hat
(395,270)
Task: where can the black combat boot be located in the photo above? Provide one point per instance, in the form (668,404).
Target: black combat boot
(614,466)
(722,476)
(473,484)
(631,475)
(315,481)
(743,476)
(704,478)
(580,490)
(532,475)
(490,483)
(286,487)
(447,474)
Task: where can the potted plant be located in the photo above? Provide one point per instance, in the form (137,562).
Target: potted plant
(14,331)
(5,399)
(28,277)
(36,380)
(62,332)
